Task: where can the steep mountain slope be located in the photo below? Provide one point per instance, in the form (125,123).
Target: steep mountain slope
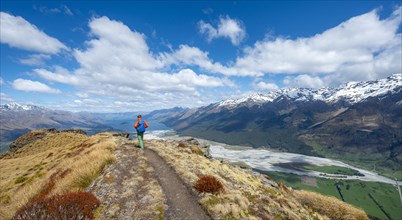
(364,117)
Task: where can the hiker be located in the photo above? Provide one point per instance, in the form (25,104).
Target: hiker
(140,125)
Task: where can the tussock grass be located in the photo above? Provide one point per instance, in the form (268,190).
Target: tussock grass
(330,206)
(85,157)
(245,194)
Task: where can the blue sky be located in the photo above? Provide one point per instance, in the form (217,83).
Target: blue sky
(108,56)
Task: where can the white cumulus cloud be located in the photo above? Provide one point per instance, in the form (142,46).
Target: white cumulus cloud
(118,64)
(361,48)
(35,59)
(229,28)
(304,81)
(33,86)
(19,33)
(265,86)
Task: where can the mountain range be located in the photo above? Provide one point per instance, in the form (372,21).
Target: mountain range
(358,122)
(17,119)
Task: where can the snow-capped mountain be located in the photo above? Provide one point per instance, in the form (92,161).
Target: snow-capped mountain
(352,93)
(18,119)
(362,120)
(19,107)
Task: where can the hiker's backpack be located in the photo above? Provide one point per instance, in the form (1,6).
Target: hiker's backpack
(141,126)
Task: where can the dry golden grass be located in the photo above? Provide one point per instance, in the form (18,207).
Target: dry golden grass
(245,195)
(25,172)
(330,206)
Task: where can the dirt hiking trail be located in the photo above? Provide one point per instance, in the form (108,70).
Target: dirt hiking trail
(181,203)
(140,185)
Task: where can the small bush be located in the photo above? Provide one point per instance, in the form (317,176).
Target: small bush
(76,205)
(208,184)
(182,145)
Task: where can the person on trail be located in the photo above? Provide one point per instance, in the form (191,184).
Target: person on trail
(140,126)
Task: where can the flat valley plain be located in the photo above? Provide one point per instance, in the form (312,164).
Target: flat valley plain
(379,200)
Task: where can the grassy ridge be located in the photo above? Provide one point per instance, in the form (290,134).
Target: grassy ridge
(354,192)
(26,172)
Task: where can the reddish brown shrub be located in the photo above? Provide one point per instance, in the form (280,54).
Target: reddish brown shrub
(208,184)
(76,205)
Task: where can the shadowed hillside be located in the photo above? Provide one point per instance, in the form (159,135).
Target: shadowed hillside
(359,122)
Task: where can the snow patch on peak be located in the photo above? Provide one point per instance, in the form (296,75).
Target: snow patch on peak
(13,106)
(250,100)
(355,92)
(352,92)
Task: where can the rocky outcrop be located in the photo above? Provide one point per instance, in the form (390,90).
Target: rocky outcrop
(121,134)
(35,135)
(75,131)
(192,143)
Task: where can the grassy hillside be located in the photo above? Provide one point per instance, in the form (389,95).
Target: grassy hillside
(56,168)
(68,162)
(246,194)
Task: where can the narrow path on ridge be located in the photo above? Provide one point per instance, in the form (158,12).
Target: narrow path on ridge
(180,201)
(143,186)
(128,189)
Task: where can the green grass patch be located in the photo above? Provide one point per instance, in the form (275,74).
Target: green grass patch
(160,213)
(20,179)
(334,170)
(85,180)
(355,192)
(4,199)
(36,175)
(105,163)
(373,161)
